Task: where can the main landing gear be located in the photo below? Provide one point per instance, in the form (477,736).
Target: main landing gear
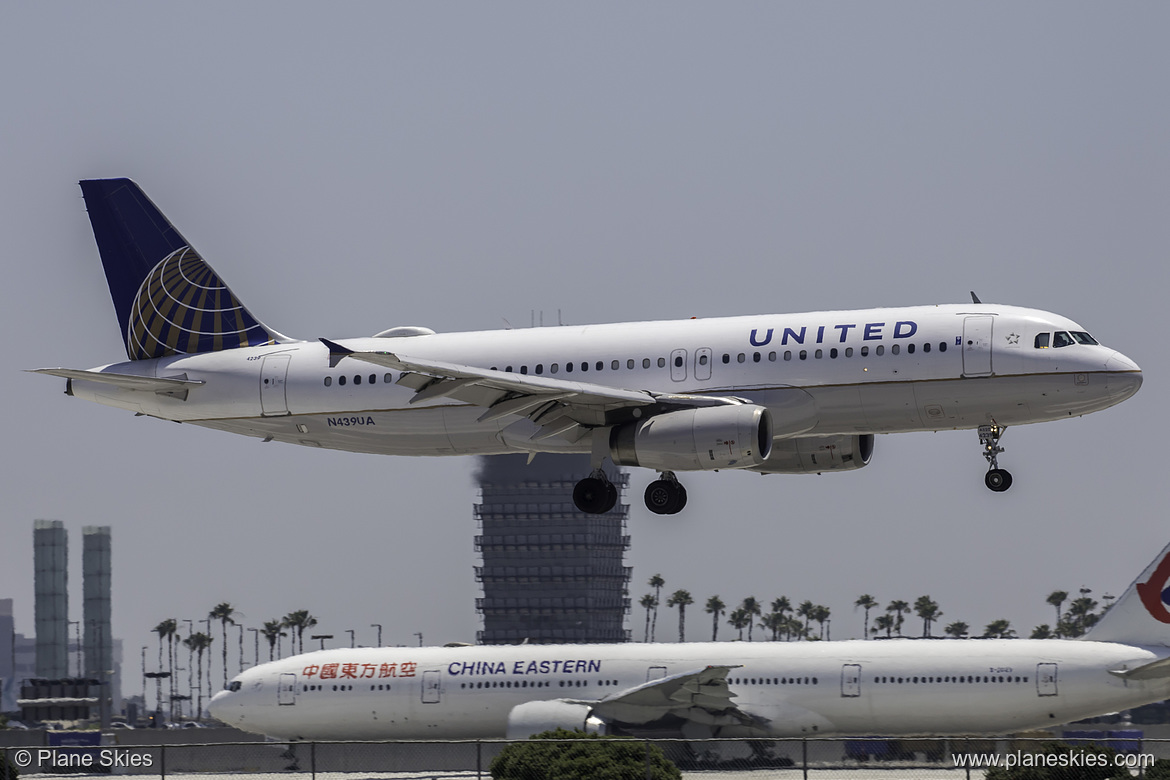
(997,479)
(596,495)
(666,495)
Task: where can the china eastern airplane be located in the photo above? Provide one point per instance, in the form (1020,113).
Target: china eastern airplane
(718,689)
(773,393)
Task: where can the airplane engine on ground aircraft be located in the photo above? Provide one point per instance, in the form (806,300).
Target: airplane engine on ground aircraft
(815,454)
(535,717)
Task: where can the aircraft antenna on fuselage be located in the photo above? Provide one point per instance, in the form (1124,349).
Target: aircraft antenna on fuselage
(975,298)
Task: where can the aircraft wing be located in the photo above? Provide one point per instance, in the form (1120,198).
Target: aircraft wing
(160,385)
(701,696)
(558,405)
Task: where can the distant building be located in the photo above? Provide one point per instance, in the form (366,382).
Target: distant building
(97,647)
(51,605)
(550,572)
(17,658)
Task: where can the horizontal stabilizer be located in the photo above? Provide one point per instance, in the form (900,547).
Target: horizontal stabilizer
(176,385)
(1154,670)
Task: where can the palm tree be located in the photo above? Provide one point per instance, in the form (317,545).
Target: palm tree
(752,607)
(1042,631)
(793,627)
(782,605)
(199,642)
(774,622)
(956,630)
(224,613)
(272,632)
(898,607)
(884,622)
(648,602)
(299,621)
(866,602)
(681,598)
(1080,616)
(999,629)
(1056,599)
(656,582)
(820,613)
(928,610)
(739,620)
(715,607)
(805,610)
(165,630)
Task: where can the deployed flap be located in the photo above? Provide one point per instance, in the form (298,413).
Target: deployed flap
(162,385)
(701,696)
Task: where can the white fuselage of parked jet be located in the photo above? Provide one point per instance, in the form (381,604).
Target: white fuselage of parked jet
(772,689)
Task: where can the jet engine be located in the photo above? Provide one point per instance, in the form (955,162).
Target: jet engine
(534,717)
(816,454)
(734,436)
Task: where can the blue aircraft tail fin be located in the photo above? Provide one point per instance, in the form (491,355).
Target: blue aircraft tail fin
(168,300)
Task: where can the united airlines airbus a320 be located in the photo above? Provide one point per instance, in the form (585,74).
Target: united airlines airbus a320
(723,689)
(774,394)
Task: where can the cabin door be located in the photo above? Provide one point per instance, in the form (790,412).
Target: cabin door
(678,365)
(430,686)
(286,689)
(273,375)
(703,364)
(655,673)
(977,345)
(851,680)
(1046,679)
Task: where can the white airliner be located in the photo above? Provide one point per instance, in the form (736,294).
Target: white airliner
(726,689)
(771,393)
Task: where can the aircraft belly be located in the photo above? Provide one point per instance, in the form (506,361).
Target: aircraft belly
(438,430)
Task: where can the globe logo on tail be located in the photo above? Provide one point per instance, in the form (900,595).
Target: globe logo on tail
(1154,593)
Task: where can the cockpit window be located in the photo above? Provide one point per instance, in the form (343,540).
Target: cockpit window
(234,685)
(1083,338)
(1042,340)
(1062,339)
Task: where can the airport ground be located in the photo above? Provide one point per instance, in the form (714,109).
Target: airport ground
(230,753)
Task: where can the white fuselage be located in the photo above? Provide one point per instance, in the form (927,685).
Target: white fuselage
(821,373)
(887,687)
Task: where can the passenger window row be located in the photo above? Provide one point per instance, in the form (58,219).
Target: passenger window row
(678,361)
(953,679)
(773,681)
(387,378)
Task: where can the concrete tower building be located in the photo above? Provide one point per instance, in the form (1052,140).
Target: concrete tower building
(97,646)
(51,604)
(550,572)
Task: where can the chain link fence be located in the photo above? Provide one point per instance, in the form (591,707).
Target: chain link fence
(758,759)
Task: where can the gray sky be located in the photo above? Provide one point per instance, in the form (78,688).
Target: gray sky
(352,167)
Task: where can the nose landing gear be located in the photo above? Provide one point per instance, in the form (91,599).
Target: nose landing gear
(997,479)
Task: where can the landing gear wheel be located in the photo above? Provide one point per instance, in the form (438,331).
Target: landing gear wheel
(998,480)
(595,495)
(665,496)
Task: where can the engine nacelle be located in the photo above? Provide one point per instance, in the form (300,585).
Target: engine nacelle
(534,717)
(816,454)
(734,436)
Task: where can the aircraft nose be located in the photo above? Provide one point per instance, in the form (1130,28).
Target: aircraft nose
(220,706)
(1125,376)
